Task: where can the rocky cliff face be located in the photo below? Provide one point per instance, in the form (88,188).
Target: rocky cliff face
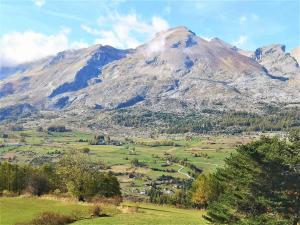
(176,71)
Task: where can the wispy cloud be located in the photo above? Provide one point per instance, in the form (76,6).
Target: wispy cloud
(125,31)
(64,15)
(39,3)
(246,18)
(90,30)
(243,39)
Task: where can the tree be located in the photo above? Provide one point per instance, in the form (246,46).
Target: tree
(105,185)
(38,184)
(49,171)
(205,190)
(14,177)
(260,185)
(83,179)
(75,171)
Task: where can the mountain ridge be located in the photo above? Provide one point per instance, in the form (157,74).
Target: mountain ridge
(175,71)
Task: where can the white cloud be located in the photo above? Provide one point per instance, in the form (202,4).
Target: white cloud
(21,47)
(207,38)
(78,44)
(243,39)
(39,3)
(90,30)
(125,31)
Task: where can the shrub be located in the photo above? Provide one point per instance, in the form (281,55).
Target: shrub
(50,218)
(96,211)
(86,150)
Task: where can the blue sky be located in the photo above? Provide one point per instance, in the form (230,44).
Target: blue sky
(34,28)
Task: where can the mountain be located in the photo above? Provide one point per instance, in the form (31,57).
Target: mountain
(296,54)
(175,71)
(276,61)
(68,71)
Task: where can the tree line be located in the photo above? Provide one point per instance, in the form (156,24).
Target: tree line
(74,173)
(207,121)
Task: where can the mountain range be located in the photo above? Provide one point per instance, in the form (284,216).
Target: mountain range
(176,71)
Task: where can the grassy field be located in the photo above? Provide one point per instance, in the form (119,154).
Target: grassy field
(14,210)
(151,214)
(23,209)
(205,152)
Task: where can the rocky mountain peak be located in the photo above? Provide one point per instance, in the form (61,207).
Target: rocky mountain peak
(274,50)
(175,38)
(277,61)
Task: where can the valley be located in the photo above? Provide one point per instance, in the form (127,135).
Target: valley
(137,162)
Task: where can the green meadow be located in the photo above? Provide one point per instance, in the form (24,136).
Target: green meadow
(23,209)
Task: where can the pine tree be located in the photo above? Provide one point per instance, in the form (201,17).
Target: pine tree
(260,185)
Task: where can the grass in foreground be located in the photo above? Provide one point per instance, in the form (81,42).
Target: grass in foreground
(150,214)
(24,209)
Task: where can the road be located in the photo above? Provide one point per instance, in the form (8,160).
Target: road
(185,174)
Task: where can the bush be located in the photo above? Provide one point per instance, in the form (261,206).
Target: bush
(86,150)
(96,211)
(50,218)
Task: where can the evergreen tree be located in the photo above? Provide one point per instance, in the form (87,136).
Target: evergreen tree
(260,184)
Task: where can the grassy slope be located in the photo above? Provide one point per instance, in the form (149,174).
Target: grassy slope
(150,214)
(14,210)
(18,209)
